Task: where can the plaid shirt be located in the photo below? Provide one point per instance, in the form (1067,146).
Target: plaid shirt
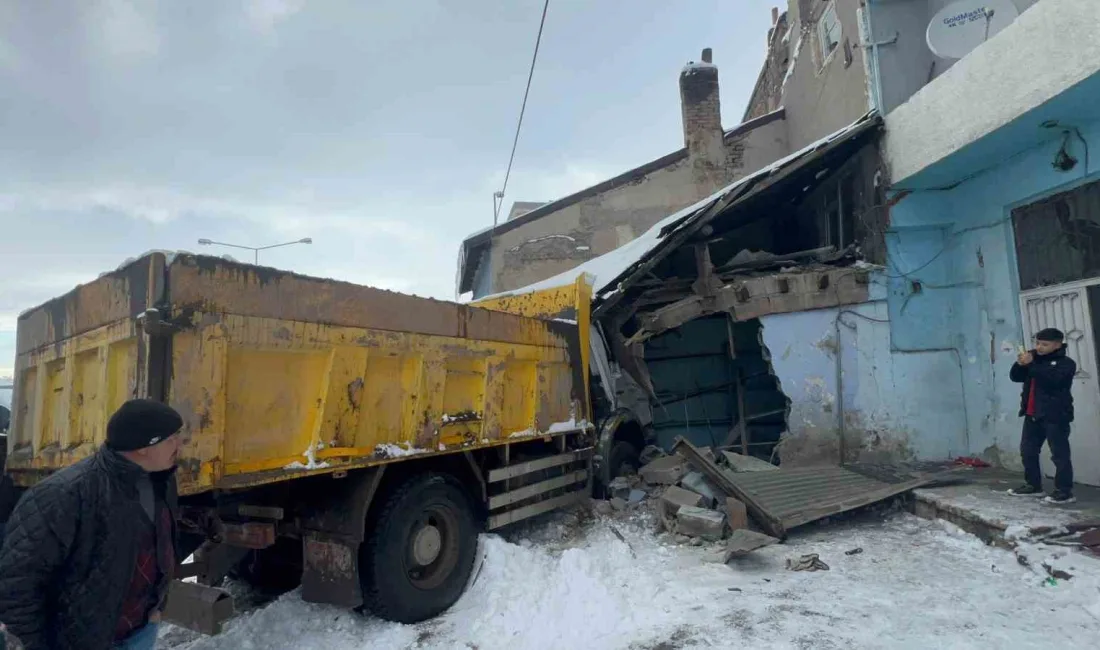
(155,560)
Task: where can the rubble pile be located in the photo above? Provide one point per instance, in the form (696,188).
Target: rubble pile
(686,506)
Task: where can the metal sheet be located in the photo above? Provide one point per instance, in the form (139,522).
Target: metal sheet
(800,496)
(787,498)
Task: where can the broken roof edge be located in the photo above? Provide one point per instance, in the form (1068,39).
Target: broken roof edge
(744,188)
(614,269)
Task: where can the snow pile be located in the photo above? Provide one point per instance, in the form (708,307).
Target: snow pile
(170,256)
(572,424)
(311,459)
(916,584)
(700,65)
(397,451)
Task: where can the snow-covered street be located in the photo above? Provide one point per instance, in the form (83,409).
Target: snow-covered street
(916,584)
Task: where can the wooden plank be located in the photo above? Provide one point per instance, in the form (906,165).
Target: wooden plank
(528,491)
(519,514)
(769,522)
(512,471)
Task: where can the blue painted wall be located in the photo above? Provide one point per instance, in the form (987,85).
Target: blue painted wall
(958,245)
(897,405)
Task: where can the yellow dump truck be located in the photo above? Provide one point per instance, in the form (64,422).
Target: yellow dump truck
(347,439)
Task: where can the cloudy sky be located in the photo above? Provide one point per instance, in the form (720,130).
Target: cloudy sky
(380,128)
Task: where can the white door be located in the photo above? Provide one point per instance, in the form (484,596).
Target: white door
(1066,307)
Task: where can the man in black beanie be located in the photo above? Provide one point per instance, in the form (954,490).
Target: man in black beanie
(89,552)
(1046,404)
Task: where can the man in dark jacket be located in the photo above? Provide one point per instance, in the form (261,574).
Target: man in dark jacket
(1046,404)
(89,552)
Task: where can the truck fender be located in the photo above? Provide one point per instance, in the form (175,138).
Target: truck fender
(610,430)
(331,534)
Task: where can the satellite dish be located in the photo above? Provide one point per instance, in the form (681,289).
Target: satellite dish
(963,25)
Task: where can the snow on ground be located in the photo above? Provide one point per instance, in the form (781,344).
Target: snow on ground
(917,584)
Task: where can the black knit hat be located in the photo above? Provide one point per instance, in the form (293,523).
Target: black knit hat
(141,423)
(1050,334)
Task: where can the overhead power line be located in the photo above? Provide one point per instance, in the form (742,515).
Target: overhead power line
(498,198)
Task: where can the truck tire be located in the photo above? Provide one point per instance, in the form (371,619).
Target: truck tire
(623,458)
(419,551)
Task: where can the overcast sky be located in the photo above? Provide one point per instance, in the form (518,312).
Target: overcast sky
(379,128)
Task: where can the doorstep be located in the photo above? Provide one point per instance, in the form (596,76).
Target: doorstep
(983,507)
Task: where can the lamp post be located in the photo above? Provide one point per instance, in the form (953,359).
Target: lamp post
(255,249)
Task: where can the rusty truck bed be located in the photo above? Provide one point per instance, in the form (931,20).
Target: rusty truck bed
(279,375)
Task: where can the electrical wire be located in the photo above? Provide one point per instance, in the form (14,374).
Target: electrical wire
(499,197)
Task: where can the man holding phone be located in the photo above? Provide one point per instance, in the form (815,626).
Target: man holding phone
(1046,404)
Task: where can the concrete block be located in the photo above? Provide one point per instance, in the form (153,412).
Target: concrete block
(619,487)
(601,507)
(743,542)
(675,498)
(736,514)
(650,454)
(635,496)
(696,482)
(740,463)
(618,504)
(667,470)
(700,522)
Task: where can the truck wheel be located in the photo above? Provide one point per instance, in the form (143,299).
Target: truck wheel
(419,551)
(623,458)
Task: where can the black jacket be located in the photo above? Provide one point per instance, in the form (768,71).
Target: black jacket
(1053,377)
(70,551)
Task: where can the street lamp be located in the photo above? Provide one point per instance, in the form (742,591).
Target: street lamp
(255,249)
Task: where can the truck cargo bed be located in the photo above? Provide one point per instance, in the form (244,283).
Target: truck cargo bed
(279,375)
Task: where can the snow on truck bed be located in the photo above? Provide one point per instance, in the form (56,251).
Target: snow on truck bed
(917,584)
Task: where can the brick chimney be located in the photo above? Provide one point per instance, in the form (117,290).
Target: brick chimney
(701,111)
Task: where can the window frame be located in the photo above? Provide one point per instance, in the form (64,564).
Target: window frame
(823,33)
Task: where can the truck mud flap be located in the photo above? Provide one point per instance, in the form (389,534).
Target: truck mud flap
(565,479)
(198,607)
(331,571)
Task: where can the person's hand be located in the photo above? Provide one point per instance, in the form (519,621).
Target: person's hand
(1024,359)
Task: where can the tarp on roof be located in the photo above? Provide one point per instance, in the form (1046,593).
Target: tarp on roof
(607,271)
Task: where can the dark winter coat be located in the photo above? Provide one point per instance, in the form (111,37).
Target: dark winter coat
(70,552)
(1053,376)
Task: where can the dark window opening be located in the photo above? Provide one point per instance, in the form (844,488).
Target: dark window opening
(1058,239)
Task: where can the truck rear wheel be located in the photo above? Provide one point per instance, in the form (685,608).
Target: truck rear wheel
(420,550)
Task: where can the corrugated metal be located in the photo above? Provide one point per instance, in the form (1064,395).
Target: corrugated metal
(793,494)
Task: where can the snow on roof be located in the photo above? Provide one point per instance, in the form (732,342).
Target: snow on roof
(700,65)
(608,269)
(605,268)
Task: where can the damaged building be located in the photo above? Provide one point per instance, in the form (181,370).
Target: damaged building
(848,302)
(695,315)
